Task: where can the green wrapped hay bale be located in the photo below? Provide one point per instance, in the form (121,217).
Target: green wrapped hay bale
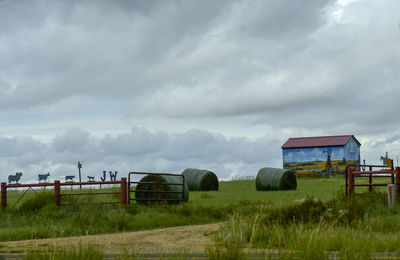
(276,179)
(167,183)
(201,180)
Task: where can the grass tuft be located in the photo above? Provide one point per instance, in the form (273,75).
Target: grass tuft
(89,253)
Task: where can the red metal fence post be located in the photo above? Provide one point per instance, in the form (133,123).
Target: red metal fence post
(57,198)
(347,180)
(350,181)
(392,168)
(3,195)
(124,194)
(183,188)
(129,188)
(397,184)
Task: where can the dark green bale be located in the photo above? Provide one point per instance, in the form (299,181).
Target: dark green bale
(276,179)
(201,180)
(167,184)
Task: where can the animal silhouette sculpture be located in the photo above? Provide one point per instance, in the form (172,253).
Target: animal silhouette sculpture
(69,178)
(91,178)
(43,177)
(14,178)
(113,176)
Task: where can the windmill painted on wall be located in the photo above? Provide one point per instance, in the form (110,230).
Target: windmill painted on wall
(328,166)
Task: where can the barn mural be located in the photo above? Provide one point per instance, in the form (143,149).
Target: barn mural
(320,155)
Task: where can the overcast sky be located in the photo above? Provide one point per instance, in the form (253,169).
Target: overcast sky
(170,84)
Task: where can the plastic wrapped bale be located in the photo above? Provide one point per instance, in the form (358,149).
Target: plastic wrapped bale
(167,183)
(276,179)
(200,180)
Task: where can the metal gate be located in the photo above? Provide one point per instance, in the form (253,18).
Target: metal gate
(29,186)
(156,191)
(351,174)
(57,191)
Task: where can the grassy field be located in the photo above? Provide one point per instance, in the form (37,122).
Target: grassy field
(230,192)
(239,191)
(38,216)
(313,220)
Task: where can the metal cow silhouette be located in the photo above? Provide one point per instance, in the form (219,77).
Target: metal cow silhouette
(14,178)
(43,177)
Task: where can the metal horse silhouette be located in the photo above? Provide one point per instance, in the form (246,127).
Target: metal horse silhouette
(14,178)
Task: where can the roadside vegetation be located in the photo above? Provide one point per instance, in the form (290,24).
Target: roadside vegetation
(353,228)
(39,217)
(308,223)
(90,253)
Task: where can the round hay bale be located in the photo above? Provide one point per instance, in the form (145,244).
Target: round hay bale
(201,180)
(170,198)
(276,179)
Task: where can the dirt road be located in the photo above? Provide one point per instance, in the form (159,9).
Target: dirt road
(184,239)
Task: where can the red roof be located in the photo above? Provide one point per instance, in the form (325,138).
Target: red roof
(301,142)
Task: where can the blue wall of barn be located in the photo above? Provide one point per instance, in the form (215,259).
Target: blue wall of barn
(352,150)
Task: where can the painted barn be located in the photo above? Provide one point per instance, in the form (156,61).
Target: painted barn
(320,155)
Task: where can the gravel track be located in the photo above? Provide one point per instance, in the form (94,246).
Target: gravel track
(183,239)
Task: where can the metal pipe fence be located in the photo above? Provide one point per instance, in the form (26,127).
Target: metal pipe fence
(352,174)
(58,191)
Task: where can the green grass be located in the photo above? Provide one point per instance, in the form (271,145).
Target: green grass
(237,191)
(312,220)
(231,192)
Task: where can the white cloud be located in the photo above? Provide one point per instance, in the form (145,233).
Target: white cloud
(268,70)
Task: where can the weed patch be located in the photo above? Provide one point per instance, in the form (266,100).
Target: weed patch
(314,228)
(36,202)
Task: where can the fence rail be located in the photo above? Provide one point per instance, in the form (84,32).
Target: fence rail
(351,175)
(57,191)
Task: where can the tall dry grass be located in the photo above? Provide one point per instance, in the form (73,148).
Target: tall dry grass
(313,229)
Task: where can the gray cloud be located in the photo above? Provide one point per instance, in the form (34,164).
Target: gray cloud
(145,150)
(242,68)
(140,149)
(60,49)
